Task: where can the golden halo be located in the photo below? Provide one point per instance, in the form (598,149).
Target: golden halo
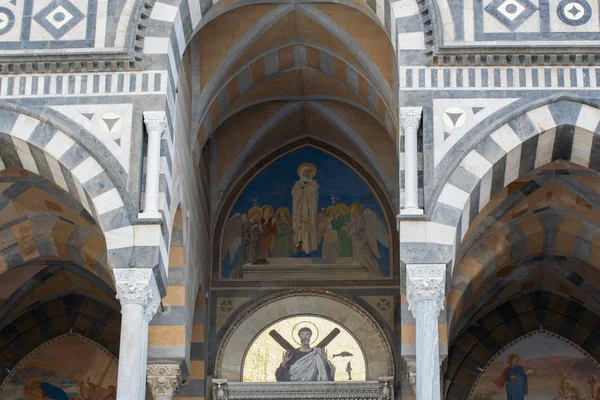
(305,324)
(255,209)
(313,169)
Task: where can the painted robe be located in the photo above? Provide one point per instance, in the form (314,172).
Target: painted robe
(515,380)
(305,195)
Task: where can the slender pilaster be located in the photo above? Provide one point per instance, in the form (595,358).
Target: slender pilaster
(155,126)
(164,380)
(139,296)
(425,295)
(410,119)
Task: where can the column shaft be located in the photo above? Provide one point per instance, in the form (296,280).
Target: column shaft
(133,353)
(410,119)
(155,126)
(139,296)
(428,351)
(425,287)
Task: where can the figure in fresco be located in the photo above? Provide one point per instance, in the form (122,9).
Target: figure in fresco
(269,230)
(514,379)
(45,390)
(305,364)
(339,224)
(305,195)
(330,236)
(592,388)
(282,244)
(360,243)
(567,389)
(252,232)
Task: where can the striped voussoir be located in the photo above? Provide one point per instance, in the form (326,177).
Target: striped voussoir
(553,213)
(562,130)
(170,330)
(561,315)
(36,146)
(195,386)
(41,236)
(49,319)
(169,28)
(234,93)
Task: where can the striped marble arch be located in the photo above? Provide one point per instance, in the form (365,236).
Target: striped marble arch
(39,147)
(525,313)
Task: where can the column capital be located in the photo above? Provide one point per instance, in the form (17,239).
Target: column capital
(138,286)
(164,379)
(425,282)
(410,117)
(155,121)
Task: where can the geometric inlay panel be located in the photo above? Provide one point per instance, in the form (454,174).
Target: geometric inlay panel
(511,13)
(47,24)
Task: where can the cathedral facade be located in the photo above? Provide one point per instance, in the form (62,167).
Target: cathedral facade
(299,199)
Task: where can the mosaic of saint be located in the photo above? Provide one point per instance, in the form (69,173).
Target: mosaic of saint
(539,367)
(304,349)
(306,215)
(68,368)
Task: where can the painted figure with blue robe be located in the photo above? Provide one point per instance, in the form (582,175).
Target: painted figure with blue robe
(514,379)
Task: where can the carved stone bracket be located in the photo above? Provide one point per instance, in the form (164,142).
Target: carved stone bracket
(220,389)
(425,282)
(138,286)
(164,379)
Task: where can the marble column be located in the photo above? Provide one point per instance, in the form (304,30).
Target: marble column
(410,119)
(425,285)
(164,380)
(139,296)
(155,126)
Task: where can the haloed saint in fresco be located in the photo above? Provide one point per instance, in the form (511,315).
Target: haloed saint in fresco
(540,367)
(514,379)
(327,216)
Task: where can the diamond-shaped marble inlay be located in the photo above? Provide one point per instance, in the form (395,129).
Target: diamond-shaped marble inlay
(59,17)
(511,13)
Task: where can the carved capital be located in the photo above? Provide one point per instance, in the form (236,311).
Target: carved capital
(155,122)
(411,375)
(410,118)
(164,379)
(425,282)
(138,286)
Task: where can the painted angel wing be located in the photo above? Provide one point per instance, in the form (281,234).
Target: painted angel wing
(232,239)
(376,231)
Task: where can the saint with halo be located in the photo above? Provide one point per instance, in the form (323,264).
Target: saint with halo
(305,195)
